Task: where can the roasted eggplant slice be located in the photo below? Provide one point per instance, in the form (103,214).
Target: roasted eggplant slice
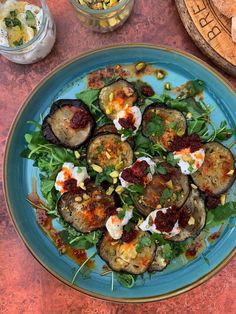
(161,125)
(123,256)
(171,189)
(194,210)
(86,210)
(108,150)
(113,98)
(69,123)
(159,263)
(217,173)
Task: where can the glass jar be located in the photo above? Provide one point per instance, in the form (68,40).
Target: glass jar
(104,20)
(40,45)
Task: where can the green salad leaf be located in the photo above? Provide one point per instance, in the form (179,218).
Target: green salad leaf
(221,214)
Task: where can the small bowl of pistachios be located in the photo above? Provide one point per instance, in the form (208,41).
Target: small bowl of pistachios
(103,15)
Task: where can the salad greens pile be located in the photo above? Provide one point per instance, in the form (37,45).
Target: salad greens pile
(49,158)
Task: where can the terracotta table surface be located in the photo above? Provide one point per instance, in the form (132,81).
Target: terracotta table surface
(25,286)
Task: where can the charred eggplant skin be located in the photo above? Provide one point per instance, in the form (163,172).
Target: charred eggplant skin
(88,210)
(47,128)
(121,93)
(168,118)
(147,202)
(106,128)
(113,151)
(195,206)
(217,174)
(123,257)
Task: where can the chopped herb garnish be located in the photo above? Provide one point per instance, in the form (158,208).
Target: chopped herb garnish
(99,149)
(161,169)
(165,196)
(126,132)
(121,213)
(143,242)
(12,22)
(221,214)
(155,127)
(171,160)
(13,13)
(18,42)
(135,188)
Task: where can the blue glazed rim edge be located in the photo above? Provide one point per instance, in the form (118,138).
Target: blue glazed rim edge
(5,160)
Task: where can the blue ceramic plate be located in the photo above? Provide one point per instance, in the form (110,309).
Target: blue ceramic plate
(65,81)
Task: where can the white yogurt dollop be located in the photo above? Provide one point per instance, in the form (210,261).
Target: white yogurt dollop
(137,117)
(115,225)
(69,171)
(149,225)
(148,176)
(189,162)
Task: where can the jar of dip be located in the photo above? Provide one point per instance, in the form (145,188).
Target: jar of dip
(103,19)
(27,31)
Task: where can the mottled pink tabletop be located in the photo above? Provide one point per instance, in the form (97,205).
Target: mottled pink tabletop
(25,286)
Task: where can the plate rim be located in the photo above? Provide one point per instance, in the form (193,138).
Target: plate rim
(61,66)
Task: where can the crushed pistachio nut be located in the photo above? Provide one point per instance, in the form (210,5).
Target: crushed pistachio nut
(222,199)
(110,190)
(111,96)
(82,186)
(119,189)
(114,174)
(169,184)
(140,66)
(108,155)
(191,221)
(78,199)
(77,154)
(96,168)
(189,115)
(86,196)
(230,173)
(167,86)
(160,74)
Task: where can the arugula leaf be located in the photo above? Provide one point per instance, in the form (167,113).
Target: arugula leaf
(104,176)
(223,133)
(161,169)
(165,195)
(80,240)
(46,185)
(171,160)
(88,96)
(126,132)
(126,280)
(135,188)
(143,242)
(195,87)
(221,214)
(48,157)
(121,213)
(155,126)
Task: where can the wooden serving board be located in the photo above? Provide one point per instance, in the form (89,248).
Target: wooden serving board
(210,30)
